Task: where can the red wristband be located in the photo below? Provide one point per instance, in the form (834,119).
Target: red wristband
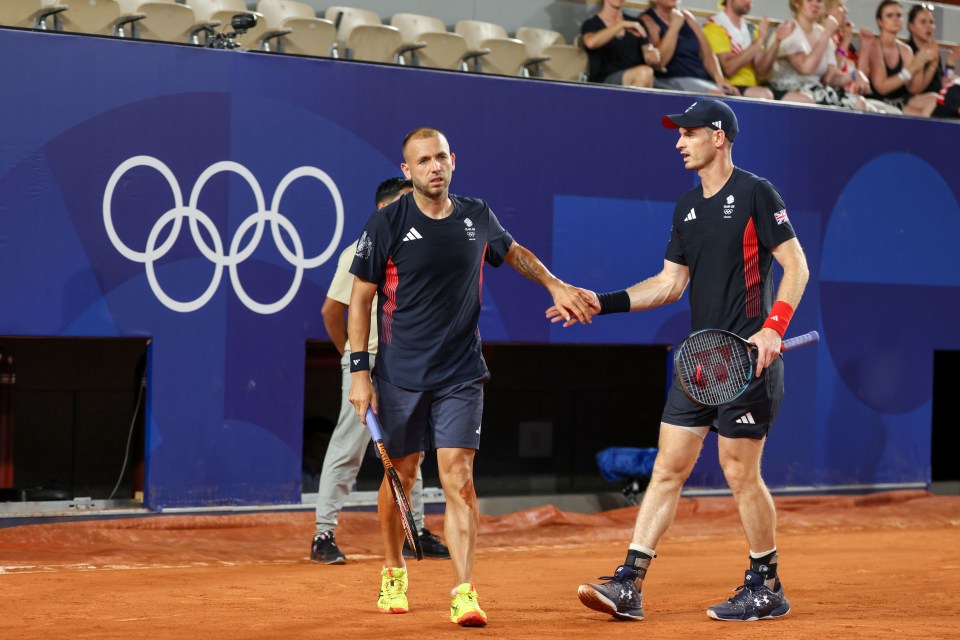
(779,318)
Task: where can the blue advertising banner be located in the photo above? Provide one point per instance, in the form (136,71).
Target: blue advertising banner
(200,197)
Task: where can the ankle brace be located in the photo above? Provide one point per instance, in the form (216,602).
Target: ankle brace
(640,561)
(765,565)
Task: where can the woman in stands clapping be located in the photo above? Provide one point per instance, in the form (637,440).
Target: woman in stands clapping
(921,24)
(807,60)
(897,75)
(687,61)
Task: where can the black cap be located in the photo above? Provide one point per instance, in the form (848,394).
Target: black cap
(706,113)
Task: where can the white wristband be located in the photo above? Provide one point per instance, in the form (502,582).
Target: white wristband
(905,76)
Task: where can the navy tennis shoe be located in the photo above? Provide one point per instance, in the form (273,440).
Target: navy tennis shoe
(754,601)
(618,596)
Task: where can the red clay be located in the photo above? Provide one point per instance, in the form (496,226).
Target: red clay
(866,567)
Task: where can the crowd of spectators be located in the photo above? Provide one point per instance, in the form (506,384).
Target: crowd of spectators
(816,56)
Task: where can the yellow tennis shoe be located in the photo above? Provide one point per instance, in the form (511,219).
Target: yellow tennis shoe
(393,591)
(465,610)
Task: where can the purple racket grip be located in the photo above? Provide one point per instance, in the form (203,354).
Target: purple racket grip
(373,425)
(800,341)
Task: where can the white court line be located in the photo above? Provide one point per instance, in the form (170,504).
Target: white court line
(12,569)
(175,615)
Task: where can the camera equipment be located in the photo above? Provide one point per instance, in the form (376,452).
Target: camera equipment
(240,23)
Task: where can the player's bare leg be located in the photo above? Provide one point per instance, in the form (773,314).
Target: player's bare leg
(393,577)
(677,454)
(462,511)
(460,530)
(740,460)
(620,595)
(761,596)
(391,528)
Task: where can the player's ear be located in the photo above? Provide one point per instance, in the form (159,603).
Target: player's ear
(405,169)
(453,161)
(719,138)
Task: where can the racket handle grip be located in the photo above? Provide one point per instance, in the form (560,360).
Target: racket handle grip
(799,341)
(372,425)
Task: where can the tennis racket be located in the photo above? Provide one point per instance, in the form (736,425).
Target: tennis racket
(403,504)
(715,366)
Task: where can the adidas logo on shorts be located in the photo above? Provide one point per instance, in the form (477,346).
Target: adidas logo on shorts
(746,418)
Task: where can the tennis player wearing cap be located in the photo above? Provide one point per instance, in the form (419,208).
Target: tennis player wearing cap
(726,234)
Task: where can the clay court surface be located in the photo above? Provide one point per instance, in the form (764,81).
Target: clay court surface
(878,566)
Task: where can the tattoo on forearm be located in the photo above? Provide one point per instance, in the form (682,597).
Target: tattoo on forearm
(528,266)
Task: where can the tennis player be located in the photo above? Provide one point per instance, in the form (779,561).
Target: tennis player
(423,256)
(350,438)
(726,234)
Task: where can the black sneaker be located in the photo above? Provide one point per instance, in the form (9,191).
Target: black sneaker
(754,601)
(324,549)
(618,596)
(433,546)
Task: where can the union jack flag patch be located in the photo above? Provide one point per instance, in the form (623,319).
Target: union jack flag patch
(781,216)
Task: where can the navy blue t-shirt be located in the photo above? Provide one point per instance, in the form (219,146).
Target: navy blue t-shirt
(726,241)
(429,277)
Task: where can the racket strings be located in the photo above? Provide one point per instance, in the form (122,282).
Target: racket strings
(713,367)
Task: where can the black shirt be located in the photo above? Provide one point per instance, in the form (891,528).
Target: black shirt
(623,52)
(937,82)
(429,281)
(726,241)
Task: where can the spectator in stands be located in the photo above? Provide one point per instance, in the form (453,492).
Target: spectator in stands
(806,60)
(686,59)
(618,48)
(350,437)
(849,58)
(948,100)
(895,72)
(921,24)
(746,56)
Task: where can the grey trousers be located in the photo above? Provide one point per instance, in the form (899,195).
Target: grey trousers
(341,464)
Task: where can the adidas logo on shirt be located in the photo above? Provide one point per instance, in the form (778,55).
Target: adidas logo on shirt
(413,234)
(747,418)
(691,216)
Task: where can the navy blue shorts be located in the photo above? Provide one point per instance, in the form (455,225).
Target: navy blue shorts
(413,421)
(749,416)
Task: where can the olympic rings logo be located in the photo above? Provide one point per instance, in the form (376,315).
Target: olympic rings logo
(174,218)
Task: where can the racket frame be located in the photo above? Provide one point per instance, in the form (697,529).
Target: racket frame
(811,337)
(396,487)
(736,342)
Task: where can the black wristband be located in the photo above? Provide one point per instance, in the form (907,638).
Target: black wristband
(614,302)
(359,361)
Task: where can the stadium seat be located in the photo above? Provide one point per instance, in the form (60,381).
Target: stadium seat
(507,56)
(295,28)
(444,50)
(97,17)
(566,62)
(222,12)
(362,36)
(26,13)
(537,39)
(164,20)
